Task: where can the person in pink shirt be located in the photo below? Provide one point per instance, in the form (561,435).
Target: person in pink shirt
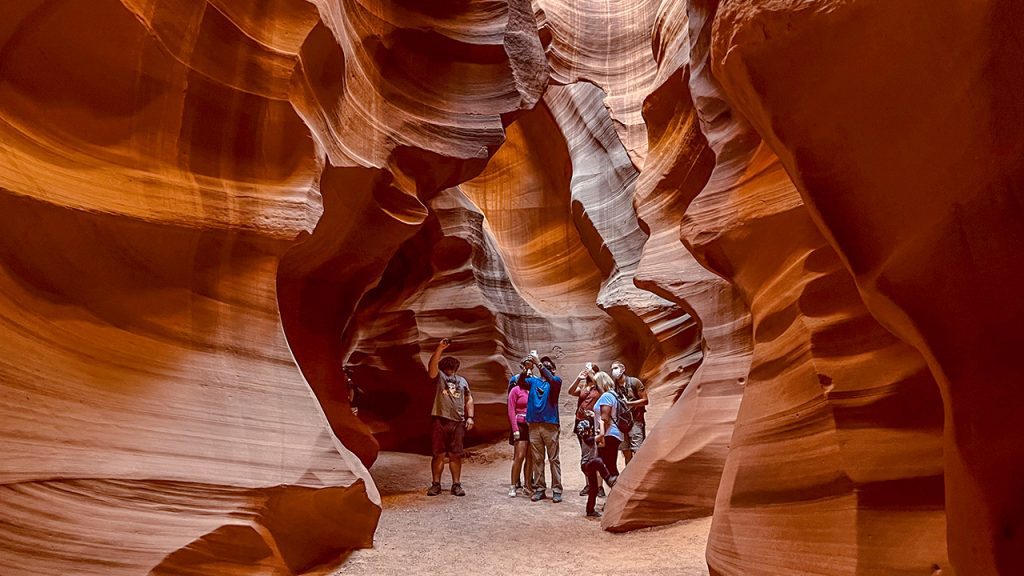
(519,438)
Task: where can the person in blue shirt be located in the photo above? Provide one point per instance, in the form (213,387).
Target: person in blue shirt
(608,437)
(542,416)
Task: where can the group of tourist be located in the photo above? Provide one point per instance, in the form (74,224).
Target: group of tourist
(609,419)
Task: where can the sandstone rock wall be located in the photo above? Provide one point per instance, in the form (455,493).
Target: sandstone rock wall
(676,474)
(907,162)
(535,252)
(185,199)
(866,460)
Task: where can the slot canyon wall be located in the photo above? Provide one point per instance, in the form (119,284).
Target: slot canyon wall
(798,221)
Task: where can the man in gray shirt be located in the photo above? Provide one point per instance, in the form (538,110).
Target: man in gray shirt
(452,415)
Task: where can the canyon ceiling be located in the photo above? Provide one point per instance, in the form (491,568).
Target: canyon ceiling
(800,221)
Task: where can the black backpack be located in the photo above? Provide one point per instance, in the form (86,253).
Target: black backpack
(623,415)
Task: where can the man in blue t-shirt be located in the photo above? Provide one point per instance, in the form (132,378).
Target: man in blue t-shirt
(542,416)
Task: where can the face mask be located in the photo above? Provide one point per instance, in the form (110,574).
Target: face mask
(616,372)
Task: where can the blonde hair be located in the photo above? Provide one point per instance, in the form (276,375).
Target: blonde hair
(603,381)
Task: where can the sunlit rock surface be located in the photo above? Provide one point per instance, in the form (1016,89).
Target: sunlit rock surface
(676,474)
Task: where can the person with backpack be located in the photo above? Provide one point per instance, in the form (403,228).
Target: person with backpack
(607,434)
(586,396)
(633,394)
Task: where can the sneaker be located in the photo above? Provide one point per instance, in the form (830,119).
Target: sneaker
(611,480)
(538,496)
(600,492)
(593,514)
(556,497)
(457,490)
(434,489)
(585,491)
(519,485)
(512,491)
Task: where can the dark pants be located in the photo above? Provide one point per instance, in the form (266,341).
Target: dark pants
(609,454)
(595,470)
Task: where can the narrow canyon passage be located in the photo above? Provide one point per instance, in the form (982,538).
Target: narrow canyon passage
(799,222)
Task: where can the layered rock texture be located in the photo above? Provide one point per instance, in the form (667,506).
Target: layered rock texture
(798,221)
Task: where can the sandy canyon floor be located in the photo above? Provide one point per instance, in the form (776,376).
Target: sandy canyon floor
(486,532)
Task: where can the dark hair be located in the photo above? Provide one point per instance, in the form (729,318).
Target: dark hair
(548,360)
(448,364)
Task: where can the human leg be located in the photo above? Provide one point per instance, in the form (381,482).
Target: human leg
(551,444)
(537,457)
(457,433)
(437,442)
(609,454)
(590,469)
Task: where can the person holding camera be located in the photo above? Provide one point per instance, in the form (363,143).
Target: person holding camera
(542,416)
(452,416)
(519,438)
(586,396)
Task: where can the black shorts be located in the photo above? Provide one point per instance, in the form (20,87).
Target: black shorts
(524,434)
(446,436)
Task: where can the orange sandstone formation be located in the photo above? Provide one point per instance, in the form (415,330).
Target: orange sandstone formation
(185,197)
(909,162)
(837,437)
(676,474)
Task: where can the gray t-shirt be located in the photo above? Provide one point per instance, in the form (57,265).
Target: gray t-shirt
(450,399)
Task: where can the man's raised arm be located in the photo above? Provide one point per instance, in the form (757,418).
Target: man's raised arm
(432,369)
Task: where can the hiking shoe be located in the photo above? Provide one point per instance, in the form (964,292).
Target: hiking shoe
(600,492)
(585,491)
(457,490)
(511,491)
(593,514)
(434,489)
(538,496)
(556,497)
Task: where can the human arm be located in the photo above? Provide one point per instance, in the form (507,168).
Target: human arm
(641,392)
(576,389)
(432,369)
(603,424)
(555,381)
(513,394)
(470,412)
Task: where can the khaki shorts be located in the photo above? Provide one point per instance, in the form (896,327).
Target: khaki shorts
(637,435)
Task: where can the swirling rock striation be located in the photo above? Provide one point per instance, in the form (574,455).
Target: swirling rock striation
(837,440)
(160,160)
(676,475)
